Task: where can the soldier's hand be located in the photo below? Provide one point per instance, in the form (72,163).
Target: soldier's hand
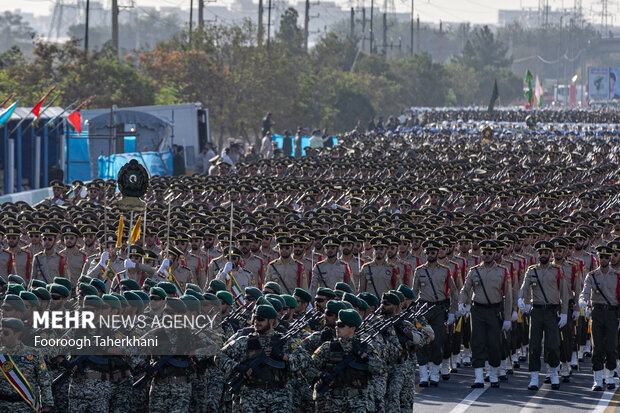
(129,264)
(575,315)
(506,325)
(583,305)
(562,321)
(521,304)
(450,319)
(514,316)
(461,309)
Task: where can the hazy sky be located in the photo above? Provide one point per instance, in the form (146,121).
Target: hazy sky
(475,11)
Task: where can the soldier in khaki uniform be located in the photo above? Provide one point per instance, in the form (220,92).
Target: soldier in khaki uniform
(48,263)
(191,254)
(242,276)
(600,292)
(378,276)
(545,286)
(331,270)
(249,261)
(404,270)
(492,293)
(20,259)
(354,261)
(299,244)
(216,264)
(75,257)
(134,269)
(286,271)
(108,264)
(5,257)
(176,271)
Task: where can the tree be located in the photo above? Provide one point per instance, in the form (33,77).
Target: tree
(289,34)
(482,49)
(14,31)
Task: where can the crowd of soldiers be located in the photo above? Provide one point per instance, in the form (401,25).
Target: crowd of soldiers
(331,278)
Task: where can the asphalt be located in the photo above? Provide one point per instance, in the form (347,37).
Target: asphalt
(456,396)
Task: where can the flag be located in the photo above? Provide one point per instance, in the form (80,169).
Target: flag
(234,287)
(538,92)
(173,280)
(527,82)
(75,119)
(119,233)
(37,107)
(494,97)
(135,231)
(459,325)
(6,115)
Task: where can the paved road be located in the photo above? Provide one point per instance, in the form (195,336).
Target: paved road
(455,395)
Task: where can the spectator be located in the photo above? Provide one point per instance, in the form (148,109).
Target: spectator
(178,162)
(267,124)
(202,161)
(316,140)
(298,136)
(266,148)
(287,144)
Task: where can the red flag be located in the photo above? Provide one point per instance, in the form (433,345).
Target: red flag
(75,119)
(37,107)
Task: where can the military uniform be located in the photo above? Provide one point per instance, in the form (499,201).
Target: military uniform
(19,263)
(47,266)
(289,275)
(75,260)
(114,267)
(5,259)
(327,274)
(377,278)
(194,263)
(243,277)
(256,266)
(181,274)
(214,268)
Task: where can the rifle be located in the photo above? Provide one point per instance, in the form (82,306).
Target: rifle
(69,365)
(150,372)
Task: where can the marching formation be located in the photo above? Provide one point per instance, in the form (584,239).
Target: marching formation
(328,280)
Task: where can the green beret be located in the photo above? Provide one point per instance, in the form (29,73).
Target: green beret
(149,282)
(98,284)
(29,296)
(65,282)
(37,284)
(85,279)
(363,305)
(42,293)
(176,304)
(326,292)
(93,301)
(226,297)
(401,296)
(130,284)
(2,281)
(406,291)
(390,298)
(275,303)
(190,286)
(217,285)
(158,291)
(195,293)
(87,289)
(210,297)
(58,289)
(15,302)
(14,278)
(15,289)
(290,301)
(352,299)
(265,311)
(346,305)
(302,294)
(350,318)
(133,299)
(192,303)
(343,287)
(143,296)
(253,292)
(370,299)
(277,297)
(112,301)
(169,288)
(334,306)
(122,299)
(339,294)
(13,323)
(275,287)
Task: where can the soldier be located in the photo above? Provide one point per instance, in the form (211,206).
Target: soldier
(491,288)
(35,245)
(108,264)
(27,385)
(378,276)
(134,269)
(331,270)
(237,278)
(600,292)
(173,271)
(20,260)
(59,191)
(433,284)
(354,261)
(348,394)
(48,263)
(89,232)
(192,255)
(5,257)
(74,257)
(265,384)
(286,271)
(548,291)
(249,261)
(404,269)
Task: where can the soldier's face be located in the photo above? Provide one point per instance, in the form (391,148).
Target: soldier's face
(70,241)
(443,251)
(347,248)
(49,241)
(415,244)
(209,242)
(195,244)
(263,325)
(558,253)
(615,258)
(285,251)
(488,256)
(9,337)
(380,253)
(604,260)
(244,247)
(331,251)
(254,246)
(298,249)
(12,240)
(403,247)
(391,251)
(543,256)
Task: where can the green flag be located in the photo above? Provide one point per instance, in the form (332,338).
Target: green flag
(529,92)
(494,96)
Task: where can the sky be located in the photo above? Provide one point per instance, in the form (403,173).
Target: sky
(474,11)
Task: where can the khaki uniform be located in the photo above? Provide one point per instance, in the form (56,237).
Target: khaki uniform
(243,277)
(138,274)
(34,249)
(405,272)
(256,266)
(5,258)
(355,266)
(20,263)
(75,260)
(194,263)
(214,268)
(46,267)
(289,275)
(327,274)
(378,278)
(115,266)
(182,274)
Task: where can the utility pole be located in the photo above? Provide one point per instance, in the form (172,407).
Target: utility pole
(269,25)
(261,29)
(191,18)
(412,18)
(115,27)
(417,35)
(384,33)
(372,34)
(363,28)
(86,26)
(352,22)
(306,25)
(440,45)
(201,16)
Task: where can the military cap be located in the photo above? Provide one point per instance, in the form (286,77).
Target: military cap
(15,289)
(559,242)
(133,299)
(342,286)
(232,251)
(211,297)
(150,282)
(159,292)
(33,229)
(130,284)
(289,300)
(196,294)
(111,301)
(390,298)
(150,255)
(49,230)
(12,231)
(168,287)
(275,287)
(253,292)
(16,279)
(12,323)
(88,230)
(266,311)
(59,289)
(351,298)
(334,306)
(379,242)
(226,297)
(191,286)
(615,245)
(98,284)
(406,291)
(401,296)
(136,250)
(604,250)
(85,279)
(543,246)
(330,241)
(174,251)
(42,293)
(143,296)
(217,285)
(192,303)
(105,239)
(325,292)
(70,230)
(431,245)
(285,240)
(15,301)
(87,289)
(370,298)
(274,300)
(350,317)
(302,294)
(463,236)
(488,244)
(176,305)
(93,301)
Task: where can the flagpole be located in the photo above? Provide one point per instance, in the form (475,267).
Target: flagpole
(144,230)
(130,232)
(230,243)
(40,113)
(4,102)
(31,110)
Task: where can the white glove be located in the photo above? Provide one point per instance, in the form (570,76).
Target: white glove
(228,267)
(104,259)
(562,321)
(527,308)
(575,315)
(164,266)
(506,325)
(520,304)
(514,316)
(129,264)
(467,308)
(461,309)
(583,305)
(450,319)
